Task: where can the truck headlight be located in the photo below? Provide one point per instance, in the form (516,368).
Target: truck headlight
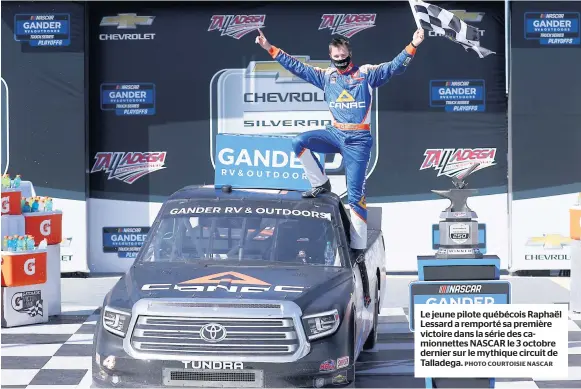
(321,324)
(116,321)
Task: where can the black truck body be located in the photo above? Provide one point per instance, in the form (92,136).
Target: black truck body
(242,288)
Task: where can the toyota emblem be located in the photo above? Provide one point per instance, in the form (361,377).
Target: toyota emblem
(213,332)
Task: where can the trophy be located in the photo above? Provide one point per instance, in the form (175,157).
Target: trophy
(458,229)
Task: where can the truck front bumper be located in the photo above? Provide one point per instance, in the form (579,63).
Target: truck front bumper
(328,364)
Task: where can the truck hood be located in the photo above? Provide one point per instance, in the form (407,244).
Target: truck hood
(300,284)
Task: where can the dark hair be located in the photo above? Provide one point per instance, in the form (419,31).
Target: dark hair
(338,42)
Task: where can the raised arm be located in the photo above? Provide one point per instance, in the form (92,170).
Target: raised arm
(378,75)
(310,74)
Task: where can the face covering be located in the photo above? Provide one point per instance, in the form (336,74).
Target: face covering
(342,64)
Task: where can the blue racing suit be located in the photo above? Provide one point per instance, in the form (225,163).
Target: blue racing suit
(348,94)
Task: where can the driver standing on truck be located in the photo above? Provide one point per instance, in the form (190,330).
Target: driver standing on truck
(348,92)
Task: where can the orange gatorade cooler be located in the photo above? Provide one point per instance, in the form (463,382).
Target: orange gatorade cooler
(11,202)
(23,268)
(575,220)
(44,225)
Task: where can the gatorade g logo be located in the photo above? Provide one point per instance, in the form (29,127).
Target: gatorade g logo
(5,204)
(30,266)
(17,303)
(45,227)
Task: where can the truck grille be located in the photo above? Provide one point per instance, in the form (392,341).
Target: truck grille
(186,336)
(212,378)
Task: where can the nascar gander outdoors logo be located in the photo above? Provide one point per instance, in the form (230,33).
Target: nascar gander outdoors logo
(129,167)
(455,162)
(236,26)
(347,24)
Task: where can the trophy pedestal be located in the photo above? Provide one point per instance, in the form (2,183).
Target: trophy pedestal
(459,271)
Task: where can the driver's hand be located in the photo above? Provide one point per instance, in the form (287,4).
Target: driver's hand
(261,40)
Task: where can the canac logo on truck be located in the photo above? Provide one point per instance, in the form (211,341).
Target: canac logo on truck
(232,282)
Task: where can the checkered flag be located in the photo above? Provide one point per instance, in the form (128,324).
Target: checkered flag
(35,310)
(432,18)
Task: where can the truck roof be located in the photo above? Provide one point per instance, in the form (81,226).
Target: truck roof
(211,192)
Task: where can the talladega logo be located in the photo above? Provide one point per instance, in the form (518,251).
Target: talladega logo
(347,24)
(454,162)
(129,167)
(236,26)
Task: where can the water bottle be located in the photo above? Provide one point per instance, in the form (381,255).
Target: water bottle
(26,206)
(6,180)
(34,207)
(14,245)
(20,244)
(17,181)
(5,243)
(329,255)
(48,205)
(29,242)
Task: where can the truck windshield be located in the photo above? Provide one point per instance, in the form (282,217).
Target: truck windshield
(289,233)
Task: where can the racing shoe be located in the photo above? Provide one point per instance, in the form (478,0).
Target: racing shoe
(317,190)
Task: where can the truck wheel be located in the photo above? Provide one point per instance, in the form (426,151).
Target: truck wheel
(372,338)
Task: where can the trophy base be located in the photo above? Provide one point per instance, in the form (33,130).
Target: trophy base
(452,253)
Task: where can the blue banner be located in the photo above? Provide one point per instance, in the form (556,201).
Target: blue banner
(553,28)
(128,99)
(458,95)
(125,241)
(265,162)
(457,292)
(43,29)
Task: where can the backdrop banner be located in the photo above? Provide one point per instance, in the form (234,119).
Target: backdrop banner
(43,126)
(166,79)
(545,121)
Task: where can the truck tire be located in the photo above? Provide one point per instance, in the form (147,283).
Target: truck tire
(372,338)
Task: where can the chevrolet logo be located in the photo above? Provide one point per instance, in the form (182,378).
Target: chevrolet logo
(550,241)
(468,17)
(127,21)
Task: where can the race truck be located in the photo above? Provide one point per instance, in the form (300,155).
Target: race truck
(242,288)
